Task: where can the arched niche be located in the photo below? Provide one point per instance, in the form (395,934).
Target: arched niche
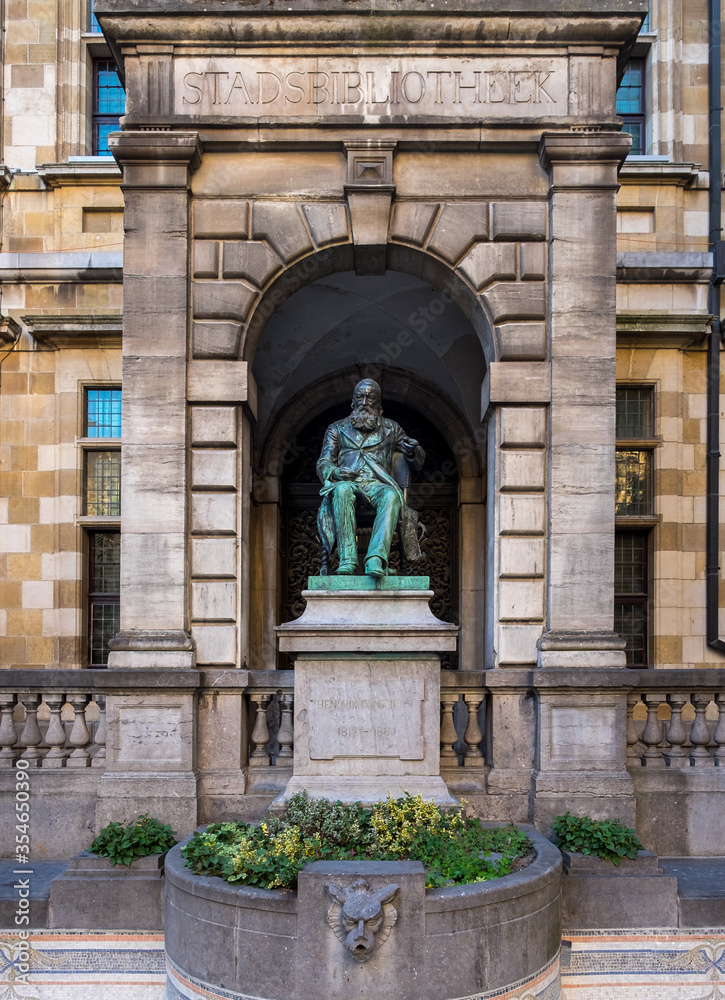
(418,344)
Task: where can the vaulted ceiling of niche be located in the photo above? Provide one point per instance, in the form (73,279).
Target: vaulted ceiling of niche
(347,320)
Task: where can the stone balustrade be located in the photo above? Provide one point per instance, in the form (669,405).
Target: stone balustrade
(271,718)
(54,722)
(463,709)
(653,737)
(676,719)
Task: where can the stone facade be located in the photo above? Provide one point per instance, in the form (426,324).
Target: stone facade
(459,218)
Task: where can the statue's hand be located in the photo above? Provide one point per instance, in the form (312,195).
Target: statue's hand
(408,447)
(345,475)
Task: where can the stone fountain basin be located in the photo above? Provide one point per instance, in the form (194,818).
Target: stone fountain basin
(232,941)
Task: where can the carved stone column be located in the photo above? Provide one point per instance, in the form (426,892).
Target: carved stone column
(582,339)
(581,759)
(152,738)
(156,172)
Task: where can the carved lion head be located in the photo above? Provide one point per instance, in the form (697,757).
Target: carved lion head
(362,917)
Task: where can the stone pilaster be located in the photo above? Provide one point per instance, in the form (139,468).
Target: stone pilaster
(156,171)
(583,168)
(581,761)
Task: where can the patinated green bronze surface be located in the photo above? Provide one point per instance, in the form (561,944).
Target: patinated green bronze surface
(365,465)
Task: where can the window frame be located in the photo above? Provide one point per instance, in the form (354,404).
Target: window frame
(97,598)
(643,524)
(639,598)
(99,119)
(639,117)
(92,524)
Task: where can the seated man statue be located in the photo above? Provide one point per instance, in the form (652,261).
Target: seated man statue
(365,459)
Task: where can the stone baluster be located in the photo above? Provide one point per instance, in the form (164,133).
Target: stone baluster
(260,732)
(99,758)
(652,735)
(55,734)
(719,734)
(8,736)
(31,737)
(635,747)
(677,755)
(700,756)
(79,737)
(286,734)
(473,756)
(449,736)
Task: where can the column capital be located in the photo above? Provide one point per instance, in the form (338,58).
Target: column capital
(585,145)
(583,159)
(156,159)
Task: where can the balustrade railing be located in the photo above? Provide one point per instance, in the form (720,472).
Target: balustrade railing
(55,719)
(271,711)
(463,698)
(32,727)
(676,719)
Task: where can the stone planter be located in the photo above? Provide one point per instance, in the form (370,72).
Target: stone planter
(598,894)
(92,893)
(476,940)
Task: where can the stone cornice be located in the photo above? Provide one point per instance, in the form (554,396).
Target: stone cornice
(648,267)
(662,329)
(583,145)
(156,157)
(658,172)
(76,331)
(91,171)
(10,330)
(62,265)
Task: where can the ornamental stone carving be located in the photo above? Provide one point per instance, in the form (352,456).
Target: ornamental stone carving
(362,917)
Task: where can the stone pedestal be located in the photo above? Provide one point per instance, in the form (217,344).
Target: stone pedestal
(367,689)
(94,893)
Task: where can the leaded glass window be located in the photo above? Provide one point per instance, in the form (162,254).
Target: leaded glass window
(103,594)
(103,483)
(631,593)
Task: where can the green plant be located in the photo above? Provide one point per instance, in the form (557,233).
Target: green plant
(453,848)
(608,838)
(123,844)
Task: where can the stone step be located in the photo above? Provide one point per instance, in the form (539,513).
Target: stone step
(39,875)
(700,890)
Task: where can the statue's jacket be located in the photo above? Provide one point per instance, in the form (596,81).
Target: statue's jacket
(346,447)
(376,456)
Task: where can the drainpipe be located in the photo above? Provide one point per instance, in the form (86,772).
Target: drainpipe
(712,529)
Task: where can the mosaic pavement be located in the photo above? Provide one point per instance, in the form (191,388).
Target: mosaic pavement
(605,965)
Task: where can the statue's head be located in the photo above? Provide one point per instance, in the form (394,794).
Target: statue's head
(362,917)
(366,405)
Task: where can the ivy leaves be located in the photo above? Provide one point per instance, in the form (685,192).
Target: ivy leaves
(123,844)
(608,838)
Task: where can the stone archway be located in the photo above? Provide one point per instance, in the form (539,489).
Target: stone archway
(416,341)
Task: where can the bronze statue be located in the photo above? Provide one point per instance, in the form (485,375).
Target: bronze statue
(365,462)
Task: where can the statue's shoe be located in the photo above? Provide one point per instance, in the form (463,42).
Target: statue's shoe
(346,569)
(374,566)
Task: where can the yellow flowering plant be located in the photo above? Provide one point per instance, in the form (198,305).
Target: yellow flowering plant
(454,848)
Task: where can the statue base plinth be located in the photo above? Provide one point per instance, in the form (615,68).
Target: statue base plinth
(367,690)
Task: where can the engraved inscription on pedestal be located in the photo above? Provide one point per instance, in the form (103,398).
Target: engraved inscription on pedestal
(357,717)
(582,734)
(149,734)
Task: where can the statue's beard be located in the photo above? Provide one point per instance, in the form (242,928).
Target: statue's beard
(365,418)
